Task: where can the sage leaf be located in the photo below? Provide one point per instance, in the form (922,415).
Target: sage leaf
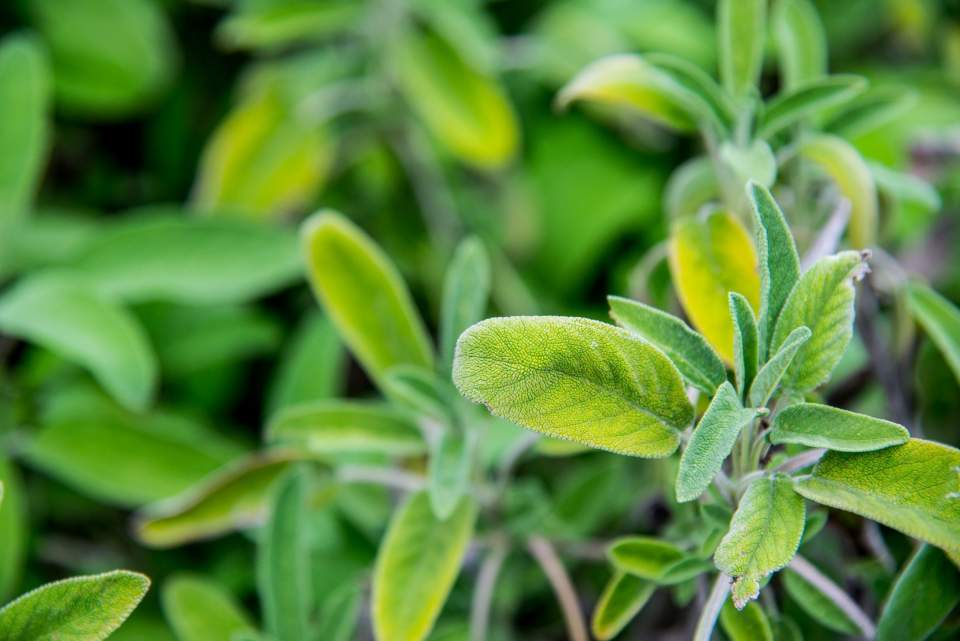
(911,487)
(763,537)
(711,443)
(817,605)
(75,322)
(271,25)
(716,105)
(940,319)
(311,367)
(868,112)
(466,290)
(339,614)
(808,99)
(924,594)
(691,186)
(746,342)
(86,608)
(622,598)
(817,425)
(748,624)
(422,392)
(409,587)
(697,362)
(575,379)
(449,470)
(364,295)
(769,376)
(13,527)
(655,560)
(200,610)
(741,26)
(823,301)
(800,41)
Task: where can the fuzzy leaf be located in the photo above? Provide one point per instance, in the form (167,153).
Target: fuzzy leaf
(763,537)
(741,26)
(622,598)
(816,425)
(200,610)
(466,290)
(654,560)
(768,378)
(575,379)
(748,624)
(926,591)
(800,41)
(746,342)
(940,319)
(807,100)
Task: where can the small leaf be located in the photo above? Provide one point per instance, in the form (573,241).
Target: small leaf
(816,425)
(912,488)
(763,537)
(800,41)
(409,587)
(822,300)
(926,591)
(940,319)
(694,79)
(311,367)
(364,295)
(741,27)
(449,471)
(575,379)
(86,608)
(200,610)
(743,164)
(709,258)
(330,426)
(622,598)
(746,342)
(422,392)
(817,605)
(691,186)
(281,23)
(655,560)
(697,361)
(711,443)
(748,624)
(808,99)
(768,378)
(73,321)
(875,108)
(466,290)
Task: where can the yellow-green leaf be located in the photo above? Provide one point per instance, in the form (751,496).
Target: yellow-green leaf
(817,425)
(200,610)
(623,597)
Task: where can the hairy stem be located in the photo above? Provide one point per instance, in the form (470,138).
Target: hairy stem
(543,551)
(484,590)
(832,591)
(711,610)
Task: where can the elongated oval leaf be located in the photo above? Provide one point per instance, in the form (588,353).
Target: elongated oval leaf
(926,591)
(68,318)
(575,379)
(692,185)
(940,319)
(817,425)
(870,111)
(655,560)
(86,608)
(816,604)
(741,26)
(912,488)
(697,361)
(748,624)
(410,587)
(311,367)
(763,537)
(716,104)
(451,464)
(200,610)
(622,598)
(711,442)
(466,290)
(746,342)
(800,41)
(364,295)
(768,378)
(806,100)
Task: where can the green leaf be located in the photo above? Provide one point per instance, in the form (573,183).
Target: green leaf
(200,610)
(24,92)
(691,186)
(711,442)
(76,323)
(283,568)
(281,23)
(311,367)
(912,488)
(768,378)
(870,111)
(763,537)
(748,624)
(340,614)
(806,100)
(449,470)
(822,300)
(655,560)
(13,527)
(779,262)
(926,591)
(622,598)
(817,605)
(422,392)
(409,587)
(466,290)
(364,295)
(86,608)
(741,26)
(816,425)
(575,379)
(800,41)
(940,319)
(694,79)
(746,342)
(697,362)
(331,426)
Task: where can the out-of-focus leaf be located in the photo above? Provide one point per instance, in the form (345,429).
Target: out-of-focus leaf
(926,591)
(109,57)
(340,614)
(311,368)
(86,608)
(623,597)
(200,610)
(466,290)
(75,322)
(271,24)
(451,464)
(816,425)
(816,604)
(905,188)
(422,392)
(364,295)
(13,527)
(748,624)
(940,319)
(742,164)
(746,342)
(709,258)
(869,111)
(409,587)
(768,378)
(691,186)
(654,560)
(52,237)
(466,27)
(807,99)
(576,379)
(800,41)
(702,86)
(742,26)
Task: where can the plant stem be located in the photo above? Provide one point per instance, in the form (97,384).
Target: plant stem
(800,461)
(381,476)
(543,551)
(711,610)
(484,590)
(832,591)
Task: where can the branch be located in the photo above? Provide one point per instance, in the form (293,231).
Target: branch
(381,476)
(710,612)
(832,591)
(484,590)
(542,550)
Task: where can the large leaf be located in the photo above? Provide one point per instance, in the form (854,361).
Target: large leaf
(709,258)
(200,610)
(655,560)
(748,624)
(911,487)
(623,597)
(941,320)
(575,379)
(822,300)
(926,591)
(800,41)
(711,442)
(75,322)
(693,356)
(410,587)
(817,425)
(466,289)
(741,26)
(364,295)
(808,99)
(769,376)
(84,608)
(763,537)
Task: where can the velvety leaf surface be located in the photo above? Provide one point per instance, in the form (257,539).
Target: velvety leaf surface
(741,26)
(926,591)
(770,375)
(200,610)
(817,425)
(622,598)
(748,624)
(466,289)
(746,342)
(940,319)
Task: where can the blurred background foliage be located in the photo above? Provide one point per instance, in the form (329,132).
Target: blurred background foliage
(169,149)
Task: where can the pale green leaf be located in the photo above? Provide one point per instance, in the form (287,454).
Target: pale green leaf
(745,163)
(200,610)
(816,425)
(449,470)
(763,537)
(422,392)
(926,591)
(86,608)
(800,41)
(691,186)
(655,560)
(817,605)
(741,26)
(748,624)
(769,376)
(410,587)
(14,527)
(746,342)
(912,488)
(466,289)
(716,104)
(697,361)
(870,111)
(622,598)
(73,321)
(575,379)
(364,295)
(808,99)
(940,319)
